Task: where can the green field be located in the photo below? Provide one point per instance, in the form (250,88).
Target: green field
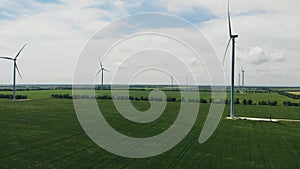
(45,133)
(256,97)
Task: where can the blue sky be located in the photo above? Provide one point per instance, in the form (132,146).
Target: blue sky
(265,48)
(195,15)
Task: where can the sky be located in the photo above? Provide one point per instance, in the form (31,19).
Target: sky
(56,32)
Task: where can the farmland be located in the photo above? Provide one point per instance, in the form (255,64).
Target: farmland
(295,93)
(256,97)
(45,133)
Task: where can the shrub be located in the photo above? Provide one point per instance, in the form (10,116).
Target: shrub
(250,102)
(237,101)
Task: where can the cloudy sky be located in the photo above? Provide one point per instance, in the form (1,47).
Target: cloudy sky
(56,31)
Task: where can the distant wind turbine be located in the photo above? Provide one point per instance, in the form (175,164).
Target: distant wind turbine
(102,70)
(15,69)
(187,81)
(232,38)
(172,80)
(239,82)
(243,80)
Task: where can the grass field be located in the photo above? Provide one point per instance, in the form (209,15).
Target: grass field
(45,133)
(256,97)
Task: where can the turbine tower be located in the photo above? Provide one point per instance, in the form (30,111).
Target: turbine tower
(15,69)
(239,82)
(102,70)
(232,38)
(243,80)
(186,81)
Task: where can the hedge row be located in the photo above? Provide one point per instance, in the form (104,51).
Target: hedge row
(173,99)
(10,96)
(169,99)
(288,103)
(270,103)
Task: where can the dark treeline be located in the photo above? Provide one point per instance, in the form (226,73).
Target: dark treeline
(10,96)
(173,99)
(270,103)
(288,103)
(168,99)
(259,91)
(33,89)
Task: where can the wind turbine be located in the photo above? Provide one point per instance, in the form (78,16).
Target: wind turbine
(15,69)
(172,80)
(243,80)
(102,70)
(232,38)
(187,81)
(239,82)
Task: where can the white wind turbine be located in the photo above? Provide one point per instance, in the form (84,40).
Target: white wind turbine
(232,38)
(239,82)
(15,70)
(243,80)
(102,70)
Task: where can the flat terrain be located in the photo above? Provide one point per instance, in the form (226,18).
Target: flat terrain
(45,133)
(295,93)
(256,97)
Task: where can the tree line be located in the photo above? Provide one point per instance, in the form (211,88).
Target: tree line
(142,98)
(288,103)
(10,96)
(173,99)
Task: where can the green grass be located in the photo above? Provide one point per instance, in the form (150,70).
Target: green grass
(45,133)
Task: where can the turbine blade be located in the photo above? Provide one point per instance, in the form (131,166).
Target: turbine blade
(226,51)
(8,58)
(98,72)
(18,71)
(20,51)
(105,70)
(101,65)
(229,20)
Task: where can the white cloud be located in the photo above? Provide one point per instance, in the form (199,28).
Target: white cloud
(118,3)
(259,56)
(274,31)
(56,32)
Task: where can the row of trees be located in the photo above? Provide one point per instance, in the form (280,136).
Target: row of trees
(259,91)
(288,103)
(62,96)
(10,96)
(169,99)
(270,103)
(27,89)
(106,97)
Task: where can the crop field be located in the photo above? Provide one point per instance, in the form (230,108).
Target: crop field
(45,133)
(295,93)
